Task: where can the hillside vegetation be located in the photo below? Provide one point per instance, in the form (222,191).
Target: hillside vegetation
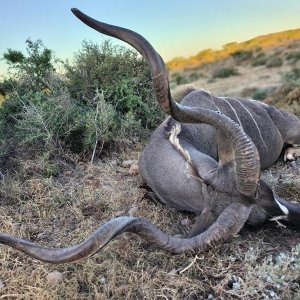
(271,74)
(209,55)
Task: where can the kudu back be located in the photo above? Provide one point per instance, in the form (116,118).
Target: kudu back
(205,158)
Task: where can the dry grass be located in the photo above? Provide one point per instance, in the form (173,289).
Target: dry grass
(62,211)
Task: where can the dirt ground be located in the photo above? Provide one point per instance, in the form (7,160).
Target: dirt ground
(248,78)
(262,263)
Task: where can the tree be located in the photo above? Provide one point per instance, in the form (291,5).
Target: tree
(36,65)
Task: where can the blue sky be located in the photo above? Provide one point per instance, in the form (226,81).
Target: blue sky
(175,28)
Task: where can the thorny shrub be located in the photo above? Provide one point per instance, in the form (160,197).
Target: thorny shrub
(105,96)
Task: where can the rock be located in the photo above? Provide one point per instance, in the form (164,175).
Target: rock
(128,163)
(134,170)
(2,285)
(132,210)
(186,222)
(102,280)
(173,272)
(54,278)
(114,162)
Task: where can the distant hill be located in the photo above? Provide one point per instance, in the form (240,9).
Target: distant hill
(210,55)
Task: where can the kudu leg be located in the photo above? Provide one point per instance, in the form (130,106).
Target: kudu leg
(153,197)
(203,222)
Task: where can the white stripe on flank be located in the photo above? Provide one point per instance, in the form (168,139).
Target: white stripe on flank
(282,207)
(213,101)
(259,102)
(235,113)
(250,114)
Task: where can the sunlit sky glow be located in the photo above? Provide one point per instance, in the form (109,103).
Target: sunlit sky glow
(175,28)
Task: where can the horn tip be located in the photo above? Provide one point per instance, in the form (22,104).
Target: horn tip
(75,11)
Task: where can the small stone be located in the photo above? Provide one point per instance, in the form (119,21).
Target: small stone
(233,283)
(54,278)
(102,280)
(132,210)
(186,222)
(173,272)
(113,162)
(128,163)
(2,285)
(274,295)
(134,170)
(88,177)
(236,286)
(119,213)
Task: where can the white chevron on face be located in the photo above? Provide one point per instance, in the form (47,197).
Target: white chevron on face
(282,207)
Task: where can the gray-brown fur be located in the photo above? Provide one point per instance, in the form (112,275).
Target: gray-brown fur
(225,142)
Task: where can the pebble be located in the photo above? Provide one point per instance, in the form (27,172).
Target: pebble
(134,170)
(2,285)
(54,278)
(128,163)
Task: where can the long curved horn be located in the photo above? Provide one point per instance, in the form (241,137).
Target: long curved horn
(228,223)
(246,156)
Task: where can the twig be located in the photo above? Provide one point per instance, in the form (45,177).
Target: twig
(276,219)
(96,127)
(193,262)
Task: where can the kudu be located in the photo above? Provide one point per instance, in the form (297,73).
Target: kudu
(204,158)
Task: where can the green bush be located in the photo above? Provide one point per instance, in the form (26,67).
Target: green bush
(179,78)
(292,77)
(241,55)
(293,56)
(104,97)
(255,93)
(31,70)
(259,60)
(122,75)
(36,118)
(274,61)
(225,72)
(194,76)
(260,94)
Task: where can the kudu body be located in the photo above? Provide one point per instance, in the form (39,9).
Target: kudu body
(205,158)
